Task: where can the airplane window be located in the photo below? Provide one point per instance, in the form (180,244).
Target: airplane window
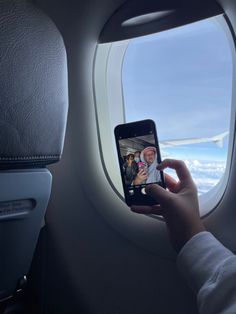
(182,79)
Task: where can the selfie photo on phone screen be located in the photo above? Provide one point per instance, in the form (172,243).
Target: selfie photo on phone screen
(139,160)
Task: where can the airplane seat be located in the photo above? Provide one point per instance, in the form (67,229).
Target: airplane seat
(33,106)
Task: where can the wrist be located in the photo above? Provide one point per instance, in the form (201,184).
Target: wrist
(190,233)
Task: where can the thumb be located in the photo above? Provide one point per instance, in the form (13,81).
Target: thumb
(158,193)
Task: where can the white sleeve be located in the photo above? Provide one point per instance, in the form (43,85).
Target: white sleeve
(210,269)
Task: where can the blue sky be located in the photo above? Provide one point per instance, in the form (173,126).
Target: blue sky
(182,79)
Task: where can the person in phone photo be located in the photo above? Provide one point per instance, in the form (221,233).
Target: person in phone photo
(130,168)
(137,156)
(148,174)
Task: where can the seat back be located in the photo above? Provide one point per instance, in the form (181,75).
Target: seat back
(33,112)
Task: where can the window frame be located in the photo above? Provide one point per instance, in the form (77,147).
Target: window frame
(108,94)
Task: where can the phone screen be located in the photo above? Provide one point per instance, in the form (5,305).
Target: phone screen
(139,156)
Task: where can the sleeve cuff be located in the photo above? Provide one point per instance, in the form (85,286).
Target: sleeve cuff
(200,258)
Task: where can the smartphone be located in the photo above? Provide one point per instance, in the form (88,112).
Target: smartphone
(138,154)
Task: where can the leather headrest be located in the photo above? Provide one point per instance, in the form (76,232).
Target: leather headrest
(33,87)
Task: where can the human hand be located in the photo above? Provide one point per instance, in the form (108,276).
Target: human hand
(178,205)
(141,176)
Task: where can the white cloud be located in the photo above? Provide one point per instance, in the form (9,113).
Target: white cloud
(206,174)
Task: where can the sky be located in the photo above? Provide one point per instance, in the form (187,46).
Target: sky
(182,79)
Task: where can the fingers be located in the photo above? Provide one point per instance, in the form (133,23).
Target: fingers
(156,209)
(141,172)
(158,193)
(171,183)
(178,165)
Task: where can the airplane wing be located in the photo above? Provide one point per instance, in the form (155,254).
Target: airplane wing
(217,139)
